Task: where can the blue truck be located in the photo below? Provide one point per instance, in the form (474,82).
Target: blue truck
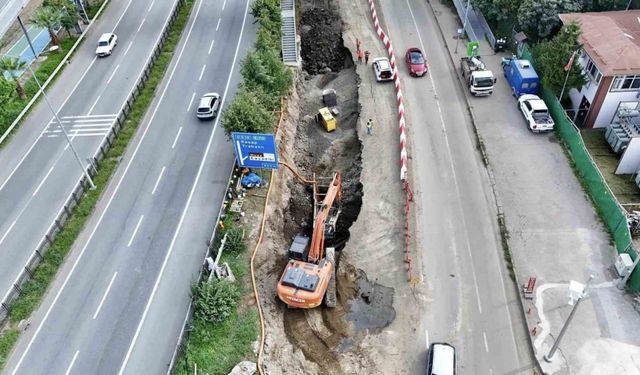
(521,76)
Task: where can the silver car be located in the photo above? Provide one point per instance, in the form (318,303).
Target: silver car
(208,106)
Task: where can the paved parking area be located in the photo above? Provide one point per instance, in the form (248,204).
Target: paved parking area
(555,234)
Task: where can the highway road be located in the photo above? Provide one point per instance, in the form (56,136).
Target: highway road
(121,300)
(39,171)
(472,306)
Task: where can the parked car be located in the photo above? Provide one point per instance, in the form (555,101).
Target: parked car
(382,69)
(441,359)
(208,106)
(106,44)
(536,113)
(416,62)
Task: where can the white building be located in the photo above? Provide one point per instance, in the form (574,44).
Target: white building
(610,58)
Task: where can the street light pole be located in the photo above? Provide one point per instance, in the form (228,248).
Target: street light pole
(55,114)
(549,357)
(464,24)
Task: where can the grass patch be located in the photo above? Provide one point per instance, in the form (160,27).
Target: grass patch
(93,8)
(623,186)
(34,289)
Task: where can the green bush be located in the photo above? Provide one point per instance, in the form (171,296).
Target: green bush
(235,240)
(215,300)
(247,113)
(263,69)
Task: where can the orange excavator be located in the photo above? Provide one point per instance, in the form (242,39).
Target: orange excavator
(309,276)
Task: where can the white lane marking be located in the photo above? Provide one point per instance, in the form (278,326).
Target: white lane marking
(86,117)
(218,25)
(141,23)
(224,3)
(104,296)
(42,182)
(94,104)
(73,361)
(191,101)
(151,6)
(211,46)
(45,128)
(202,72)
(8,230)
(486,345)
(75,134)
(128,48)
(176,139)
(135,231)
(122,15)
(453,169)
(426,339)
(93,232)
(193,188)
(158,181)
(112,74)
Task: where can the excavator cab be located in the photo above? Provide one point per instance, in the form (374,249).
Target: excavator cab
(299,249)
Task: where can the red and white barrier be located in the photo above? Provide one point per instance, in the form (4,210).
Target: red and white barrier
(396,80)
(403,140)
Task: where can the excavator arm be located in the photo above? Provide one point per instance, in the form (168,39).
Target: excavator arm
(333,195)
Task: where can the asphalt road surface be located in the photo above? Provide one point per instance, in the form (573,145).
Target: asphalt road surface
(121,300)
(39,170)
(462,254)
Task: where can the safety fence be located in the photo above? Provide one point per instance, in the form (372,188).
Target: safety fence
(610,210)
(82,185)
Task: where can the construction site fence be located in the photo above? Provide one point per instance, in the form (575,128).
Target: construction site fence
(610,211)
(27,271)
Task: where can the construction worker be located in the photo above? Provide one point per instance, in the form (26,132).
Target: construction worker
(359,54)
(357,44)
(370,127)
(366,57)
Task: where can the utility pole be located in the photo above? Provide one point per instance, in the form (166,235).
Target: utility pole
(549,357)
(464,25)
(55,114)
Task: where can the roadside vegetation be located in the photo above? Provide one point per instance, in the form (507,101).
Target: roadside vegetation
(34,290)
(15,91)
(225,323)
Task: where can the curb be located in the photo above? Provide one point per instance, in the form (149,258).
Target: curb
(504,234)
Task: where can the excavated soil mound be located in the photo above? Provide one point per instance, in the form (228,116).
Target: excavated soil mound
(322,46)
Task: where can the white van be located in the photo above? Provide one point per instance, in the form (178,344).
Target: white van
(441,359)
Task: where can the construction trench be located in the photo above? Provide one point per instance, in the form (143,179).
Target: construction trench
(321,340)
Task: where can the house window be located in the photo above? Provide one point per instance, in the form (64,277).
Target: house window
(626,83)
(593,72)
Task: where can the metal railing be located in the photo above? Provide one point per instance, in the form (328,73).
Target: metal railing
(82,185)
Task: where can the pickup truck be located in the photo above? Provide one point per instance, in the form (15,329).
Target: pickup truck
(479,80)
(536,113)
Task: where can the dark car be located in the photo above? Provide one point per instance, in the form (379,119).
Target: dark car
(416,62)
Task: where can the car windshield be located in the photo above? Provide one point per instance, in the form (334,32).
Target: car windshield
(416,58)
(484,82)
(103,43)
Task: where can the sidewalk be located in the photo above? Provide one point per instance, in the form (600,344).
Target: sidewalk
(554,234)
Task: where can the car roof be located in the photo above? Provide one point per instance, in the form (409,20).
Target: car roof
(105,37)
(538,104)
(384,62)
(444,359)
(207,98)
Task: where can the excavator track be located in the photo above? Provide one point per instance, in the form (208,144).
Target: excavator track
(330,297)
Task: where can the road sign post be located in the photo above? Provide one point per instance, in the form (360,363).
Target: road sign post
(255,150)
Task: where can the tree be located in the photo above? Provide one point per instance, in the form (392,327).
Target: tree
(215,300)
(68,22)
(49,17)
(13,65)
(265,9)
(553,55)
(264,70)
(497,10)
(539,18)
(603,5)
(247,114)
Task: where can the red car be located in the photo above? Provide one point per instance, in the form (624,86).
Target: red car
(416,62)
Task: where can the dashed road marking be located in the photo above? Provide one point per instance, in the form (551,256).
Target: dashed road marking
(157,181)
(211,46)
(176,138)
(135,231)
(104,296)
(73,361)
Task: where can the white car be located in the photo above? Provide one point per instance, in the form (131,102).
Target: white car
(536,113)
(208,106)
(106,43)
(382,69)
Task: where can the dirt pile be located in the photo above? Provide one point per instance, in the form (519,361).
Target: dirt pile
(323,50)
